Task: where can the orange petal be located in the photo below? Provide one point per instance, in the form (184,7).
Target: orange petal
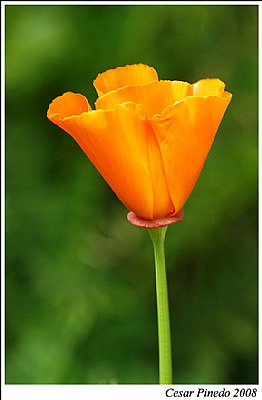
(125,151)
(67,105)
(208,87)
(154,96)
(185,133)
(113,79)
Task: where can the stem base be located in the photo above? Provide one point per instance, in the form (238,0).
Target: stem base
(157,223)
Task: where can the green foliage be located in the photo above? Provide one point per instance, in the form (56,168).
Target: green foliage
(80,289)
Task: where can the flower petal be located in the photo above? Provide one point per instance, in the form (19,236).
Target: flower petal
(185,133)
(125,151)
(208,87)
(67,105)
(116,78)
(154,96)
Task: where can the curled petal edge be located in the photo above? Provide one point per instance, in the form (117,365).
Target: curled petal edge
(142,223)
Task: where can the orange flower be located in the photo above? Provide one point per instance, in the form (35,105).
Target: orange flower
(148,138)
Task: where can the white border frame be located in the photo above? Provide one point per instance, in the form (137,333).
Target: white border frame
(84,392)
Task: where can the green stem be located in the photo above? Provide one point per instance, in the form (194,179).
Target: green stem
(164,339)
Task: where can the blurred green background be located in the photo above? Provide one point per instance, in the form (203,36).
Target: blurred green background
(80,288)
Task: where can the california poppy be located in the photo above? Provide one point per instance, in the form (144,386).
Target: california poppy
(148,138)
